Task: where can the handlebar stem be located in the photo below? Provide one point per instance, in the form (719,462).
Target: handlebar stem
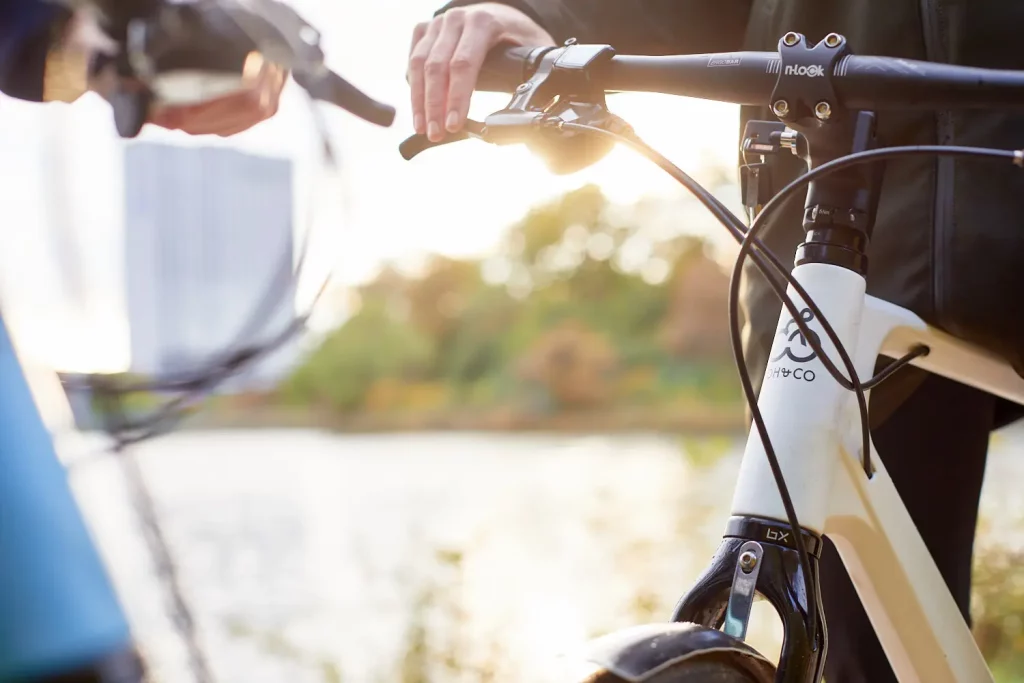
(839,209)
(804,88)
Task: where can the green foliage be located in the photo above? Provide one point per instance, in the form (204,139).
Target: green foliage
(704,451)
(276,644)
(95,407)
(997,608)
(586,304)
(476,347)
(372,344)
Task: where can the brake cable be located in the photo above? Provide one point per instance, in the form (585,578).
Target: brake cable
(179,33)
(128,432)
(551,124)
(752,247)
(276,27)
(748,243)
(194,386)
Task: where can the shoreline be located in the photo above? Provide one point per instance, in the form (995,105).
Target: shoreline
(690,421)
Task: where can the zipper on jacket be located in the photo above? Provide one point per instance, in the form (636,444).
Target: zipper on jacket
(936,50)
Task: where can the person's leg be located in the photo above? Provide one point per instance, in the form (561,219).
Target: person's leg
(934,447)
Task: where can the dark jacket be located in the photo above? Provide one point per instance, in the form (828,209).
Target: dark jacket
(949,239)
(27,29)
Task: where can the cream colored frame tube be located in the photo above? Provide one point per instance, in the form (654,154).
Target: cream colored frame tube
(914,615)
(815,430)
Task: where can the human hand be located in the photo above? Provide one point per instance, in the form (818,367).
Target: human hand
(255,101)
(229,114)
(447,53)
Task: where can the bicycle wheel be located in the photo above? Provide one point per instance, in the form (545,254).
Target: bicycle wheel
(676,653)
(712,668)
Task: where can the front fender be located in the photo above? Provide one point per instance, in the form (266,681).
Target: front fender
(639,653)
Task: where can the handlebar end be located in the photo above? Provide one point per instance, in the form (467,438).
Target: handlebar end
(413,145)
(383,115)
(418,143)
(332,88)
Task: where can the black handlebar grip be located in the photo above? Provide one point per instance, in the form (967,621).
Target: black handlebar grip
(417,143)
(506,67)
(413,145)
(332,88)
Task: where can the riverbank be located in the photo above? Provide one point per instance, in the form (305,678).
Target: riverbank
(398,541)
(691,419)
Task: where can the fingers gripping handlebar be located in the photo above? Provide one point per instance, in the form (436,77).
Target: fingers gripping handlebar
(550,87)
(186,51)
(507,67)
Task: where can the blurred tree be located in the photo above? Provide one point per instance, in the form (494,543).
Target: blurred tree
(388,291)
(440,296)
(545,226)
(372,344)
(574,365)
(997,603)
(578,288)
(479,344)
(697,321)
(573,254)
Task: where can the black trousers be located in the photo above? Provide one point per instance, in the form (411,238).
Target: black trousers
(934,447)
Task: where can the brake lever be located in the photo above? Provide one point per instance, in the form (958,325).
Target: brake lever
(560,91)
(282,34)
(419,143)
(562,150)
(291,42)
(214,38)
(329,87)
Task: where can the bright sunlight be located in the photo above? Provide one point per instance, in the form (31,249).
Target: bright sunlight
(454,200)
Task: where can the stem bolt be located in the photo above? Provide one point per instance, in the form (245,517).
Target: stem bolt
(823,110)
(523,87)
(748,560)
(791,39)
(781,108)
(833,39)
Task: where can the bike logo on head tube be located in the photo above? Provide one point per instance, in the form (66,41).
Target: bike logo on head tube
(795,339)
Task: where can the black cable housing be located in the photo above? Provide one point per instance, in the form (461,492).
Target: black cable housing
(752,247)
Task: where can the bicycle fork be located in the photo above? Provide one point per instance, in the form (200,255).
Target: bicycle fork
(801,405)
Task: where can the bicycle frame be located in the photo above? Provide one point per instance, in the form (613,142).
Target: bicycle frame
(813,422)
(58,610)
(814,426)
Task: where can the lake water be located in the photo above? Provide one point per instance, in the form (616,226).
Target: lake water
(311,556)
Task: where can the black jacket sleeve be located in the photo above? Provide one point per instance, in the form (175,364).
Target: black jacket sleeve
(648,27)
(27,32)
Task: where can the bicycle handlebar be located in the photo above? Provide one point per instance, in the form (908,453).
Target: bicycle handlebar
(751,78)
(806,86)
(330,87)
(182,51)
